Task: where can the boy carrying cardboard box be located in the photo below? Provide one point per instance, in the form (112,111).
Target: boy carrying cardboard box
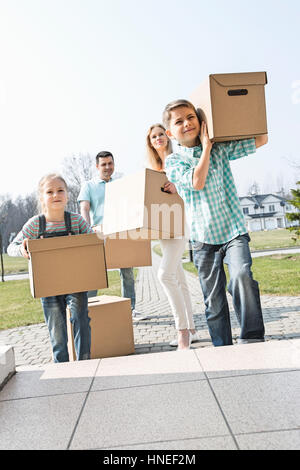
(202,175)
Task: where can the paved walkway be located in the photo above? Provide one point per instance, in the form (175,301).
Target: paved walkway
(241,397)
(281,316)
(234,397)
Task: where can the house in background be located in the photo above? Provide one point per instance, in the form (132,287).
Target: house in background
(266,212)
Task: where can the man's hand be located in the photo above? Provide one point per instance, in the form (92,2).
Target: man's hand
(204,138)
(24,249)
(85,211)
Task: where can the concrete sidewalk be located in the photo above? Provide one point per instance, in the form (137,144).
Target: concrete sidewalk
(235,397)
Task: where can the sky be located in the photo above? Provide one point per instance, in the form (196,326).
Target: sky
(81,76)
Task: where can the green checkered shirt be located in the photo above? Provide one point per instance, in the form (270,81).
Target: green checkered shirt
(213,213)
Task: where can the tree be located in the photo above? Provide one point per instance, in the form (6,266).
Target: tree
(1,249)
(75,170)
(1,258)
(14,214)
(254,189)
(295,216)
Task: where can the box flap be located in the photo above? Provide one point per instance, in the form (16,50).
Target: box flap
(124,203)
(105,299)
(56,243)
(240,79)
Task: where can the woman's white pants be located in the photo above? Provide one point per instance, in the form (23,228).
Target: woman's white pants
(172,278)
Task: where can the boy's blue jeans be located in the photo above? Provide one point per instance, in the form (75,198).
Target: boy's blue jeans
(209,260)
(127,286)
(55,316)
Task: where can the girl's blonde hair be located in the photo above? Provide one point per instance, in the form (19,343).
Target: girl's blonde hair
(41,185)
(153,158)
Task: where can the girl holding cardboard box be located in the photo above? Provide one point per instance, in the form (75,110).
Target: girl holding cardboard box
(171,274)
(54,221)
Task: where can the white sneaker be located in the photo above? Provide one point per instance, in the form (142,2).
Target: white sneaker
(136,316)
(194,338)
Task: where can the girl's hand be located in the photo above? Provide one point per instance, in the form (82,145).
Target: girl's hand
(24,249)
(204,138)
(170,188)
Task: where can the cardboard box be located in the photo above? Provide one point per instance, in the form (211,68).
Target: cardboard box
(65,265)
(122,252)
(233,105)
(127,253)
(137,204)
(111,328)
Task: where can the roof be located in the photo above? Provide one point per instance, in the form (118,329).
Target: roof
(259,198)
(261,216)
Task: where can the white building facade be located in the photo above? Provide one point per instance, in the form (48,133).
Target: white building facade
(266,212)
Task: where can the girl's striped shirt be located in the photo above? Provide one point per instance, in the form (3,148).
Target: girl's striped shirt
(31,230)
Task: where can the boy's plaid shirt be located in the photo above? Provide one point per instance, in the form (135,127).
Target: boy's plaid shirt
(213,213)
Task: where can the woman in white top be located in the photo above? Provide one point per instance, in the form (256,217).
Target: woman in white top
(171,274)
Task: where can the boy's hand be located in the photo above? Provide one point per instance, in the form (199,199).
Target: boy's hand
(204,138)
(201,169)
(24,249)
(170,188)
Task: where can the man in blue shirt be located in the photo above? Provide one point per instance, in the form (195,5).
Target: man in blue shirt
(91,199)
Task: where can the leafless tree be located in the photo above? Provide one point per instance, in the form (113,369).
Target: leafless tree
(14,214)
(254,189)
(77,169)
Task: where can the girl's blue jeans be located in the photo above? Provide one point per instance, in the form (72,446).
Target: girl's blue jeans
(209,261)
(55,316)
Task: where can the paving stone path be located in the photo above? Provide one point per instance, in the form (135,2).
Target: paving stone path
(281,316)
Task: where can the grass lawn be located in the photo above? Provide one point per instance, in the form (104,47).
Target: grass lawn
(19,308)
(276,274)
(13,265)
(280,238)
(272,239)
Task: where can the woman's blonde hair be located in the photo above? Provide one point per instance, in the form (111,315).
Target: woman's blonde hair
(43,181)
(153,158)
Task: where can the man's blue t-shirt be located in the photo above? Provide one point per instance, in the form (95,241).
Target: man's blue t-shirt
(94,192)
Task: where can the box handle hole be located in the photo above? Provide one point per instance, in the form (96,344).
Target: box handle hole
(239,92)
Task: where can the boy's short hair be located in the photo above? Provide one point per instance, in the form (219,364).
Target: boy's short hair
(104,154)
(173,105)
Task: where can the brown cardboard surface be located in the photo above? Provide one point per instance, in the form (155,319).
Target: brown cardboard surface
(65,265)
(123,252)
(233,105)
(127,253)
(111,327)
(136,204)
